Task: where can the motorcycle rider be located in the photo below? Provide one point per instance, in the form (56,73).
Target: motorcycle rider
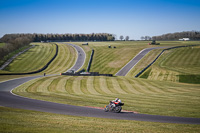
(115,102)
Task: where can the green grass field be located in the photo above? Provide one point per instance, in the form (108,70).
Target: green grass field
(111,60)
(33,59)
(141,95)
(65,59)
(37,57)
(173,63)
(23,121)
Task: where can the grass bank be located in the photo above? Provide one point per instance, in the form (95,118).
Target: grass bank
(43,53)
(23,121)
(140,95)
(173,64)
(32,60)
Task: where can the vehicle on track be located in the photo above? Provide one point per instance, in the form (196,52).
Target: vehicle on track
(114,108)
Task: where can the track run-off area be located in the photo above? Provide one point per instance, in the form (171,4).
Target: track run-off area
(110,86)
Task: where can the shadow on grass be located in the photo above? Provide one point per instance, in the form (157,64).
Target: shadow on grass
(192,79)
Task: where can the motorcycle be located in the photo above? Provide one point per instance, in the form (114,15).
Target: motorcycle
(114,107)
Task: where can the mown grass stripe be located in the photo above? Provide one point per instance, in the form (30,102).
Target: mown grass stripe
(110,85)
(130,87)
(84,86)
(161,87)
(61,84)
(97,85)
(40,60)
(140,87)
(44,85)
(134,85)
(54,84)
(76,86)
(68,85)
(90,85)
(117,87)
(120,81)
(69,61)
(58,61)
(23,87)
(150,88)
(103,85)
(34,87)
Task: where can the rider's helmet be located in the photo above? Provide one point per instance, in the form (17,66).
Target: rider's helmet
(116,99)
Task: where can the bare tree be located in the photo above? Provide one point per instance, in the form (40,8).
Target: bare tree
(142,38)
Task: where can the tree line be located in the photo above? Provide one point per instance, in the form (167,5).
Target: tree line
(62,37)
(192,35)
(12,43)
(16,41)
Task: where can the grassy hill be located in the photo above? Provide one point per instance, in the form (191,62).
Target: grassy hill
(37,57)
(129,89)
(180,65)
(140,95)
(111,60)
(33,59)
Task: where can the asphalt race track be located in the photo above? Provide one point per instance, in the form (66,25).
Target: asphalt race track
(81,57)
(135,60)
(8,99)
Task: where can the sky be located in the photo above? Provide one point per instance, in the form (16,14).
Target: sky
(133,18)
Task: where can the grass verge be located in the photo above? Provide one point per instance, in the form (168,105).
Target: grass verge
(23,121)
(140,95)
(173,64)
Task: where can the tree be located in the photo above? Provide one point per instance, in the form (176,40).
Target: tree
(127,38)
(142,38)
(192,35)
(121,37)
(147,38)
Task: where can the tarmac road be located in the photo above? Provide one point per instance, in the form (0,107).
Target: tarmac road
(135,60)
(8,99)
(81,58)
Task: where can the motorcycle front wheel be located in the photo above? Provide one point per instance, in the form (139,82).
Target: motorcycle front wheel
(118,109)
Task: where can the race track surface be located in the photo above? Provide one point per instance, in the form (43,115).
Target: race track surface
(81,57)
(135,60)
(8,99)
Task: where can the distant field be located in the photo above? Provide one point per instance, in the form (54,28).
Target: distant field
(110,60)
(19,120)
(37,57)
(65,59)
(140,95)
(33,59)
(173,63)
